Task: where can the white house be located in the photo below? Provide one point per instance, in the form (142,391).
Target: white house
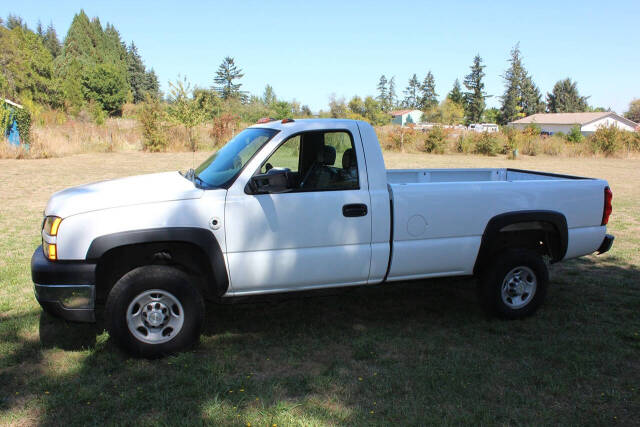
(563,122)
(405,117)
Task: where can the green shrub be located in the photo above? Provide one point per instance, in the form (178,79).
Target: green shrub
(402,137)
(434,141)
(152,116)
(465,144)
(487,143)
(575,135)
(607,139)
(510,136)
(97,113)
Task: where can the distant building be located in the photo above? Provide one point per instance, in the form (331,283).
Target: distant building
(563,122)
(405,117)
(484,127)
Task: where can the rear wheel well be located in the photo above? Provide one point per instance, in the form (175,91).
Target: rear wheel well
(547,238)
(187,257)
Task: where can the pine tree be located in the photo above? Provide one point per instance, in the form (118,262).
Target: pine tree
(429,97)
(456,93)
(565,98)
(411,93)
(391,94)
(269,95)
(152,85)
(136,73)
(475,95)
(382,93)
(40,30)
(226,75)
(521,97)
(51,42)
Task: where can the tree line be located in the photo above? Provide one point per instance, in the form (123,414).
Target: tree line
(521,96)
(92,68)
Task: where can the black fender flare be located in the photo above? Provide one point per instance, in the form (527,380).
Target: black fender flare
(200,237)
(499,222)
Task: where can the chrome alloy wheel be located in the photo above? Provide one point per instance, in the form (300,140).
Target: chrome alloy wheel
(519,287)
(155,316)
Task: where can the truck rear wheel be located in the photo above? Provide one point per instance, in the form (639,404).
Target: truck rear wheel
(515,284)
(154,310)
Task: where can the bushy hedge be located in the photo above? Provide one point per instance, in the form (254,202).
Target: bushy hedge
(435,140)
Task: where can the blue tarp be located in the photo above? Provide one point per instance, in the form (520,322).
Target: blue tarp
(12,134)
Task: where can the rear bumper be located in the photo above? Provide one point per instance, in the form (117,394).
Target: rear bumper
(606,244)
(64,289)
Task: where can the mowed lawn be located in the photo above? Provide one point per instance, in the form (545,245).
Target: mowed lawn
(404,353)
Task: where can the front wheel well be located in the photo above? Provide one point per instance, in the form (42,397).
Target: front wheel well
(188,257)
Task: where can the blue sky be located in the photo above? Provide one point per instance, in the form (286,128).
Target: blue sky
(309,50)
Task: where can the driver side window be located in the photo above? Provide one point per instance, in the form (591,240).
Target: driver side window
(287,156)
(317,161)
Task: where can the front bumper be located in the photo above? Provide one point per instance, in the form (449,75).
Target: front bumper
(65,289)
(607,242)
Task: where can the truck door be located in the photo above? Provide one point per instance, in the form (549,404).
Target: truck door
(318,232)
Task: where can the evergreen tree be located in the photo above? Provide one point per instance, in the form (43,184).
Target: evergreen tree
(474,97)
(269,95)
(51,42)
(136,74)
(531,97)
(153,85)
(411,93)
(14,21)
(456,93)
(86,47)
(382,93)
(429,97)
(27,67)
(106,84)
(40,30)
(521,97)
(565,98)
(225,79)
(391,94)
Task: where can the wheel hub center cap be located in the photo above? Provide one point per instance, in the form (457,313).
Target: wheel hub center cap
(155,318)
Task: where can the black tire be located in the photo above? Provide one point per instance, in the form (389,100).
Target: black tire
(521,263)
(176,284)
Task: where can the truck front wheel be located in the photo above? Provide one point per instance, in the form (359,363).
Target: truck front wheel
(154,310)
(515,284)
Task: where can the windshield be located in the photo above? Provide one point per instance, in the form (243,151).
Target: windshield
(225,163)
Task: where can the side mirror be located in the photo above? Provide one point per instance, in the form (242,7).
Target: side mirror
(274,181)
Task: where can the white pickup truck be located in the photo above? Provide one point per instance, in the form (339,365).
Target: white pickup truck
(299,205)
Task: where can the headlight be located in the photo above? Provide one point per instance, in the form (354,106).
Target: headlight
(51,225)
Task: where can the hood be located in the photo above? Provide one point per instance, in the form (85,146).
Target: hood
(135,190)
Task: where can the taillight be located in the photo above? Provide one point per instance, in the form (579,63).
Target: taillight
(606,212)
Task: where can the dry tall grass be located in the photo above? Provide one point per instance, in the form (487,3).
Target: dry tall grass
(56,135)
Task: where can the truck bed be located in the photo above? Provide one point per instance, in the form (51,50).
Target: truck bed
(414,176)
(439,215)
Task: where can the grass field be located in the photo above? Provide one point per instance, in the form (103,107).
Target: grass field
(411,353)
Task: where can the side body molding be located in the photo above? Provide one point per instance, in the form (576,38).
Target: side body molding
(520,221)
(199,237)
